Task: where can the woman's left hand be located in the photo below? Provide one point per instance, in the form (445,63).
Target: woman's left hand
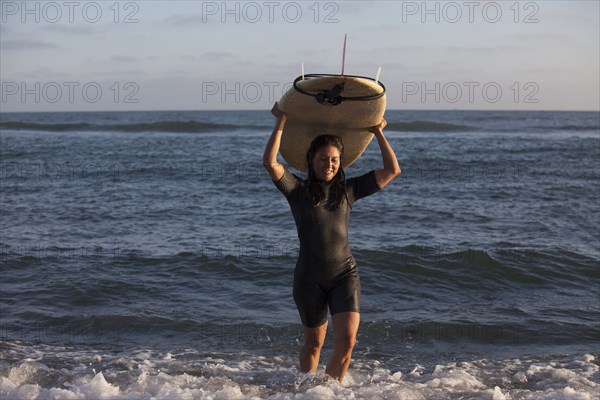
(379,127)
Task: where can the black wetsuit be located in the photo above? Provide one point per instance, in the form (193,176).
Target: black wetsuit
(326,273)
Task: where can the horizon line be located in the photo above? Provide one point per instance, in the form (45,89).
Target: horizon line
(266,110)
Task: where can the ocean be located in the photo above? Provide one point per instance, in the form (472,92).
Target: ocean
(147,255)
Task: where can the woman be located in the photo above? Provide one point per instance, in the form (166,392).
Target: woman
(326,274)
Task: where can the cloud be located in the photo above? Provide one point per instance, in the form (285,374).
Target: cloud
(562,17)
(385,66)
(385,28)
(175,72)
(26,45)
(114,74)
(119,58)
(483,49)
(44,73)
(71,30)
(549,71)
(404,49)
(337,10)
(308,54)
(216,55)
(543,38)
(181,20)
(295,68)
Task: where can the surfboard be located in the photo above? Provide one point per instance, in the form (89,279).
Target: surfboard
(342,105)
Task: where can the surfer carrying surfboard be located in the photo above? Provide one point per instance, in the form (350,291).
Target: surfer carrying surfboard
(326,274)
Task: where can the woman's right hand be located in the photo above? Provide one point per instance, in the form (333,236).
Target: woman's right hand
(274,168)
(277,112)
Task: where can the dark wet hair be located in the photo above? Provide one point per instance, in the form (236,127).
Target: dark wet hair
(337,190)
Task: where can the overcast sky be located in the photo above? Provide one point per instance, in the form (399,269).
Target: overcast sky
(203,55)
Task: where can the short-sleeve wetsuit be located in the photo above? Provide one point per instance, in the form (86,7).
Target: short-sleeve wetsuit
(326,273)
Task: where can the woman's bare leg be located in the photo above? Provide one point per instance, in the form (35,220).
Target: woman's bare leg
(345,328)
(313,342)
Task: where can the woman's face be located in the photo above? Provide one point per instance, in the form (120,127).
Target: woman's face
(326,163)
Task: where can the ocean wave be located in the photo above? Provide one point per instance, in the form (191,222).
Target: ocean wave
(159,126)
(523,330)
(210,332)
(447,265)
(441,127)
(427,126)
(499,268)
(567,128)
(191,126)
(195,126)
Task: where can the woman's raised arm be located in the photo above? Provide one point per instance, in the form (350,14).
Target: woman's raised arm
(391,168)
(274,168)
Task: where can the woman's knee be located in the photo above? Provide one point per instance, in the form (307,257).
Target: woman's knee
(345,341)
(314,342)
(314,338)
(345,328)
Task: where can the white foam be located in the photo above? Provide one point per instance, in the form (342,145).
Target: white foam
(498,395)
(241,376)
(97,388)
(588,358)
(27,372)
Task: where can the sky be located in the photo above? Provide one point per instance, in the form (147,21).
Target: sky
(211,55)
